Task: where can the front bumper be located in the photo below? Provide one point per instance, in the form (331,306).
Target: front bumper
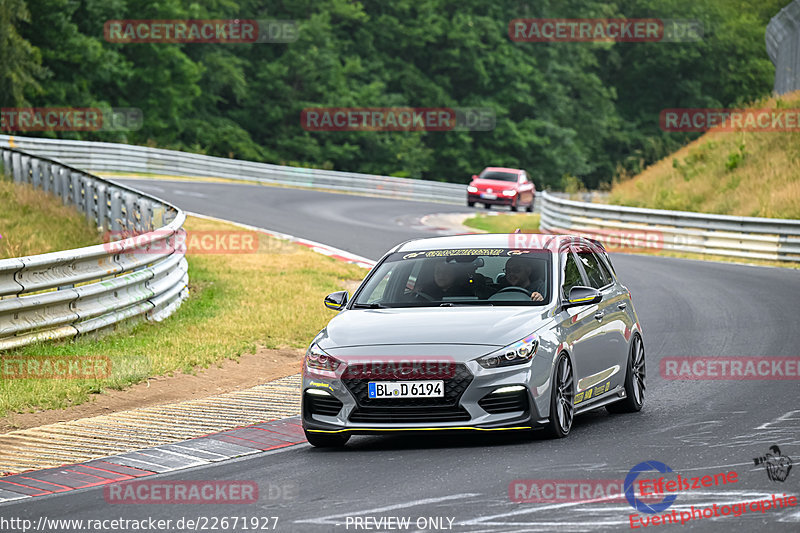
(500,200)
(471,403)
(521,423)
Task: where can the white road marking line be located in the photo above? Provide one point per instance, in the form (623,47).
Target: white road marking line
(189,193)
(326,520)
(782,418)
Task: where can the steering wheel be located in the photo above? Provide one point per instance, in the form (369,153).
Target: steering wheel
(514,288)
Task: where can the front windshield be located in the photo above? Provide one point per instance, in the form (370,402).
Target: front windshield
(499,176)
(493,276)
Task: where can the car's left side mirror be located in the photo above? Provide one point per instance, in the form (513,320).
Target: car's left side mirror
(336,300)
(582,296)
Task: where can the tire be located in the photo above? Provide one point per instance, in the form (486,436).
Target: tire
(470,204)
(529,209)
(562,395)
(635,375)
(327,440)
(513,207)
(487,206)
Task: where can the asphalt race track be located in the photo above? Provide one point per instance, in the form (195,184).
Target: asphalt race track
(686,308)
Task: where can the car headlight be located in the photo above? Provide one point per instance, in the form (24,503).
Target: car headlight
(513,354)
(509,192)
(318,361)
(472,189)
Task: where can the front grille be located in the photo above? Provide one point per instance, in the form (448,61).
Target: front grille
(454,387)
(505,402)
(411,410)
(322,405)
(390,415)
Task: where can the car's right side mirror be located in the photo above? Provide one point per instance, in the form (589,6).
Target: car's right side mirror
(582,296)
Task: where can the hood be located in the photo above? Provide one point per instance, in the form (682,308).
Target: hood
(485,328)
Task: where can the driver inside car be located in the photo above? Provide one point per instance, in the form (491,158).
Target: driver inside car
(527,274)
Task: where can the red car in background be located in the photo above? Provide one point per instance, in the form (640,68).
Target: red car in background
(502,186)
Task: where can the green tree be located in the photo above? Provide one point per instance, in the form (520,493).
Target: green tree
(19,60)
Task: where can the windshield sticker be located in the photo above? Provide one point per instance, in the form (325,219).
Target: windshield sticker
(452,253)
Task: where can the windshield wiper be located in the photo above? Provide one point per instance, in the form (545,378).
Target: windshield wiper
(373,305)
(454,304)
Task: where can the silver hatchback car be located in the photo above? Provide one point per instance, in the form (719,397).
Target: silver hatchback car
(475,333)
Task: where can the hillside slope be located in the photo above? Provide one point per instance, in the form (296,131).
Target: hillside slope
(735,173)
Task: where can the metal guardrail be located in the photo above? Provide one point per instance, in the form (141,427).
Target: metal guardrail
(680,231)
(63,294)
(783,47)
(113,157)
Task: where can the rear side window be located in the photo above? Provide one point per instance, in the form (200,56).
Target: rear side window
(595,271)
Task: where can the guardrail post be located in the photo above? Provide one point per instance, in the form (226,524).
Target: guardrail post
(7,163)
(116,210)
(16,167)
(47,177)
(36,176)
(64,185)
(25,175)
(77,197)
(130,212)
(88,200)
(145,209)
(102,206)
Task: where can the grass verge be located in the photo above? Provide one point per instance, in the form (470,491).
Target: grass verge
(33,222)
(238,302)
(504,223)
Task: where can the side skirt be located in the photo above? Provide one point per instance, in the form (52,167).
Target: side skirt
(614,395)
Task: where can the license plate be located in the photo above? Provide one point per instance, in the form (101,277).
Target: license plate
(488,196)
(406,389)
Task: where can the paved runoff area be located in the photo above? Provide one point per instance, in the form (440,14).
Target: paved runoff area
(140,442)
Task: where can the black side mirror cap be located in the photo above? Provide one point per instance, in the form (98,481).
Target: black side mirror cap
(336,300)
(582,296)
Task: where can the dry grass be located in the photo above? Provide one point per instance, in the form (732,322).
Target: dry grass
(238,302)
(33,222)
(733,173)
